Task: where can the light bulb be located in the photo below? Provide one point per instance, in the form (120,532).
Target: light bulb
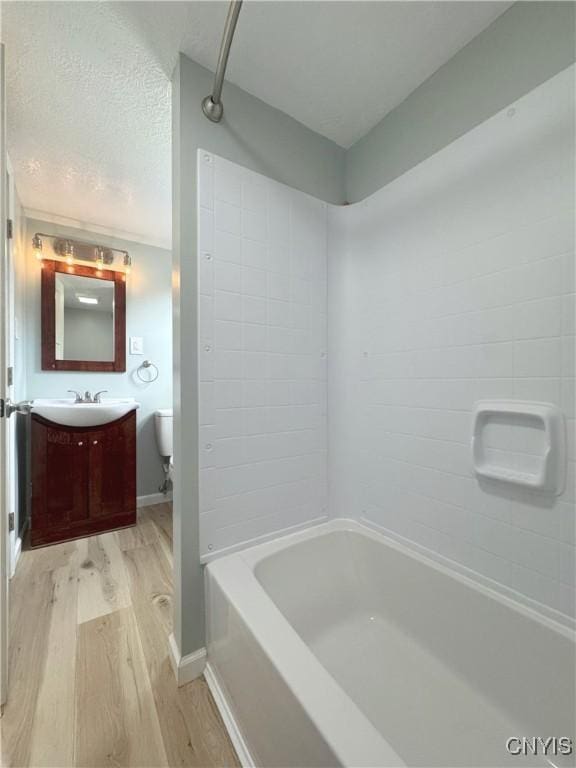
(99,257)
(37,246)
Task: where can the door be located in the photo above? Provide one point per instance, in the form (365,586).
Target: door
(11,424)
(4,341)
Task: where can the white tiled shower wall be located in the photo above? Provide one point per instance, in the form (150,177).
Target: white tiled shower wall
(262,283)
(455,283)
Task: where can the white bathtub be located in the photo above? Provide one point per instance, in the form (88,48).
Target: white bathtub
(339,646)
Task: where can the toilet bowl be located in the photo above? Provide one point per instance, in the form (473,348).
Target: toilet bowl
(163,421)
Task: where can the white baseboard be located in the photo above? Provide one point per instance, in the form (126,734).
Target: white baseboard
(153,498)
(16,552)
(228,718)
(189,667)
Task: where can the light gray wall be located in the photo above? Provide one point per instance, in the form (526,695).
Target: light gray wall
(269,142)
(148,314)
(523,48)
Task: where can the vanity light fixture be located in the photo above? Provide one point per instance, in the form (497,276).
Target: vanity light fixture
(69,252)
(74,251)
(87,299)
(99,257)
(37,246)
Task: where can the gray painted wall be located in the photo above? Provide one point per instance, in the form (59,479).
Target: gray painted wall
(148,314)
(523,48)
(269,142)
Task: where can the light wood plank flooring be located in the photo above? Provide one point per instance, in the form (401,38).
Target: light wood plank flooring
(90,676)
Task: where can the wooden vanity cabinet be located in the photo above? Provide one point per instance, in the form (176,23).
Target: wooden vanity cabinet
(83,479)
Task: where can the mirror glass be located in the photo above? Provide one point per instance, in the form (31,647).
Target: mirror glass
(84,308)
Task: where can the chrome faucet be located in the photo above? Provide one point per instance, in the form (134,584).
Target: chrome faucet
(88,398)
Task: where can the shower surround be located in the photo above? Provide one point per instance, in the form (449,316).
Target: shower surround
(454,283)
(262,303)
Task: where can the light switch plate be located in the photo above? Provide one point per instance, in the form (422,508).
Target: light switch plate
(136,345)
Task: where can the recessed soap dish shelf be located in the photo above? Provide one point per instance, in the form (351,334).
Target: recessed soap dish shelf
(548,472)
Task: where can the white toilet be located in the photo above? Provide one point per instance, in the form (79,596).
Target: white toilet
(163,421)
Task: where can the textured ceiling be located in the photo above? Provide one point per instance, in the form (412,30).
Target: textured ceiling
(89,95)
(88,117)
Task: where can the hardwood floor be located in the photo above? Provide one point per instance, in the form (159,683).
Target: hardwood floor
(90,676)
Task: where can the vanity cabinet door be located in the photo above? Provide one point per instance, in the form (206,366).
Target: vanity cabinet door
(59,481)
(83,480)
(112,471)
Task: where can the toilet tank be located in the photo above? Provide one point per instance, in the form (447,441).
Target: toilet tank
(163,420)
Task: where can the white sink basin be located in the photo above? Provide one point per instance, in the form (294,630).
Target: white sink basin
(71,414)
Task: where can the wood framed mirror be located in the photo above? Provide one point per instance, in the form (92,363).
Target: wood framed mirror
(83,318)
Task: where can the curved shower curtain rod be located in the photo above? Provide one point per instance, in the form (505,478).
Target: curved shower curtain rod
(212,105)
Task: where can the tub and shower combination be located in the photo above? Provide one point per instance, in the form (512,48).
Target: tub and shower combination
(340,646)
(346,351)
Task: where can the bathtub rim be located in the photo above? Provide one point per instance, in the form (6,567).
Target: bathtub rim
(549,617)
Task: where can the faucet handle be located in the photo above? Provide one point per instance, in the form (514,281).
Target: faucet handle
(78,396)
(96,398)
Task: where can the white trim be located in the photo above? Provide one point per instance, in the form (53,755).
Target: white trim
(174,654)
(16,552)
(153,498)
(230,722)
(86,226)
(4,477)
(189,667)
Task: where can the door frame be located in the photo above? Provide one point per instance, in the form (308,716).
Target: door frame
(15,543)
(4,475)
